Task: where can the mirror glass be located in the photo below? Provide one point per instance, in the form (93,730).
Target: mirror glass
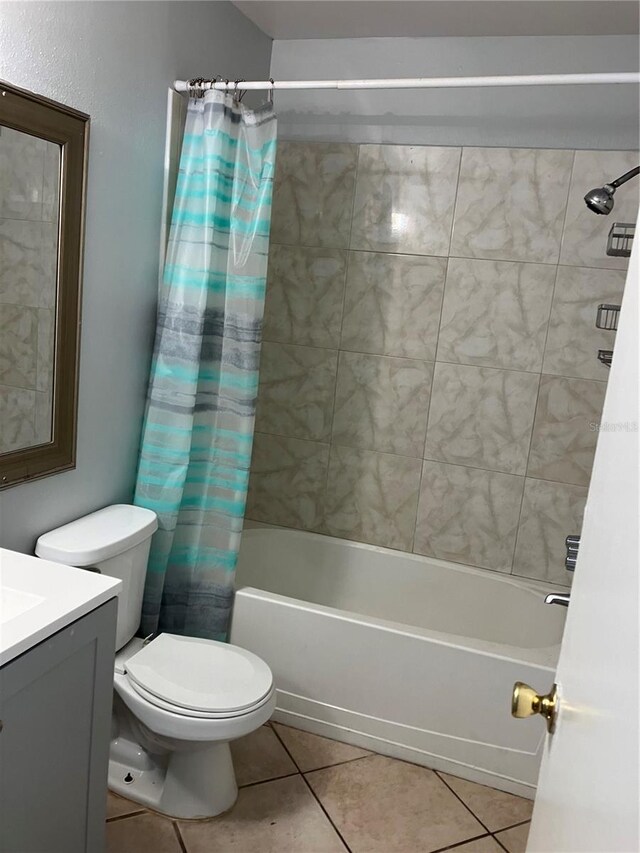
(29,218)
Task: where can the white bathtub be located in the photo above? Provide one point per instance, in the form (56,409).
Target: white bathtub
(405,655)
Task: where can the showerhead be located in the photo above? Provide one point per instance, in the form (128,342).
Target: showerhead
(600,199)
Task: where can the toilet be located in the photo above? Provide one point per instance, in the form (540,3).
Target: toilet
(178,701)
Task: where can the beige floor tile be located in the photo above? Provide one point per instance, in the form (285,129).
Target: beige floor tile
(495,809)
(145,833)
(515,839)
(312,751)
(260,756)
(274,817)
(480,845)
(117,806)
(381,805)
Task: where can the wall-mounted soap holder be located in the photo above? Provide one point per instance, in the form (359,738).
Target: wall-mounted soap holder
(572,544)
(605,356)
(607,317)
(620,239)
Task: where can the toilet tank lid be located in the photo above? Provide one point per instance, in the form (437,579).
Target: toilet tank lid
(99,536)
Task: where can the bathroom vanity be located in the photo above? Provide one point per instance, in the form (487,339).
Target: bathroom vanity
(57,640)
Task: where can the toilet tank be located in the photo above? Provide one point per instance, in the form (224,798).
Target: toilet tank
(114,541)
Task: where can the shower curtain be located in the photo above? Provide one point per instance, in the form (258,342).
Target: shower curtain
(196,442)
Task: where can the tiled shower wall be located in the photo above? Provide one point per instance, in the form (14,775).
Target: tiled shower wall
(428,378)
(29,177)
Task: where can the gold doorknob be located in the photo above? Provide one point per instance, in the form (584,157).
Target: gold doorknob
(525,702)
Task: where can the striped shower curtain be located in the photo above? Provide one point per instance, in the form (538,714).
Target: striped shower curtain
(198,429)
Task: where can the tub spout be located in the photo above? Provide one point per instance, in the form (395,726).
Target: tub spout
(557,598)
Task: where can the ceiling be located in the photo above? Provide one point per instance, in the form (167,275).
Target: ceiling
(292,19)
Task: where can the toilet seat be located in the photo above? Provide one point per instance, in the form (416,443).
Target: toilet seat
(175,724)
(199,678)
(187,712)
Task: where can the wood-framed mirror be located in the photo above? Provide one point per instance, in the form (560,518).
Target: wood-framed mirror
(43,164)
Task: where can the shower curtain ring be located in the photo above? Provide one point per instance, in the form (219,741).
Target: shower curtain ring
(238,95)
(270,94)
(194,86)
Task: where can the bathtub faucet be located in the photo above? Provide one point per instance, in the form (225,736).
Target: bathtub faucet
(557,598)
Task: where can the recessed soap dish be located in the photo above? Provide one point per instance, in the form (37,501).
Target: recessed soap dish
(605,356)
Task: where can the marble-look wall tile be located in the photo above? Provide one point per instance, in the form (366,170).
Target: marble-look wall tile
(404,199)
(382,403)
(550,512)
(17,418)
(511,204)
(573,340)
(313,194)
(18,345)
(372,497)
(45,353)
(287,481)
(51,182)
(297,387)
(43,417)
(392,304)
(27,270)
(305,292)
(49,281)
(21,175)
(357,312)
(468,515)
(481,417)
(565,431)
(496,313)
(584,242)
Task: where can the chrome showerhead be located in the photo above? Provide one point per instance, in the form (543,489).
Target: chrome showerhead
(600,199)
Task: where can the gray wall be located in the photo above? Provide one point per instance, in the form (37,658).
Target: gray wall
(562,117)
(114,61)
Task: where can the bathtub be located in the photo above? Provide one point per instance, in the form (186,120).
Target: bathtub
(408,656)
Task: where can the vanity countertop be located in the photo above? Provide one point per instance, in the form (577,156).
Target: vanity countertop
(38,598)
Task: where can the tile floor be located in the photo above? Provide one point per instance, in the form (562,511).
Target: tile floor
(300,793)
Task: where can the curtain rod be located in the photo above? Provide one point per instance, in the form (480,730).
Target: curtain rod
(422,82)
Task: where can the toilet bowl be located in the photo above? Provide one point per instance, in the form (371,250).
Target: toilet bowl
(178,701)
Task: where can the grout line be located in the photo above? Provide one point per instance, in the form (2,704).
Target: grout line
(535,411)
(472,258)
(499,843)
(444,782)
(325,490)
(338,763)
(176,829)
(270,779)
(326,813)
(433,376)
(455,206)
(462,843)
(475,364)
(125,816)
(313,793)
(512,825)
(419,459)
(566,203)
(524,482)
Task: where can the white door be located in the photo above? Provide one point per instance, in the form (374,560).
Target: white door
(588,793)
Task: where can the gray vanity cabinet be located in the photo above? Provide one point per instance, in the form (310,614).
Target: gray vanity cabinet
(55,707)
